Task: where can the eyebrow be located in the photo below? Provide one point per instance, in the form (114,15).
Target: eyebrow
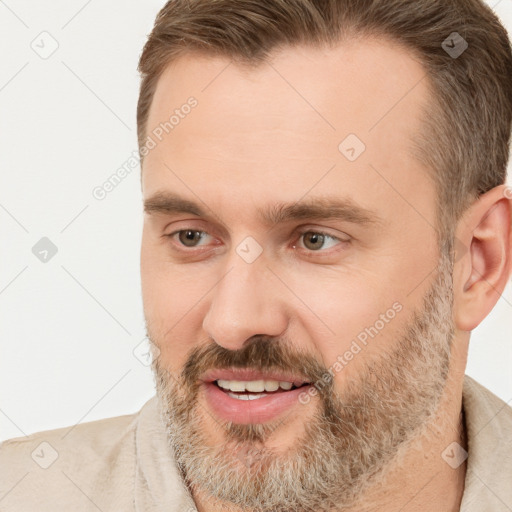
(317,208)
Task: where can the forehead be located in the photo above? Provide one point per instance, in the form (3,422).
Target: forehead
(282,125)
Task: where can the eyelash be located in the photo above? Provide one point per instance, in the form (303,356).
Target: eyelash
(300,235)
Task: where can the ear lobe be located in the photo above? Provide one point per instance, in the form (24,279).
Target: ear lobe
(481,275)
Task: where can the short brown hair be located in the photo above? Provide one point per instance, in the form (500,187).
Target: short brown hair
(467,125)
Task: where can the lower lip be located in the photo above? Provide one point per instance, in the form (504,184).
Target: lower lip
(258,410)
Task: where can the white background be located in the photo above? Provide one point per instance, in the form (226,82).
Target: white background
(68,327)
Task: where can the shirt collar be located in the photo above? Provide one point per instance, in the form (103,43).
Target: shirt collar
(158,483)
(488,483)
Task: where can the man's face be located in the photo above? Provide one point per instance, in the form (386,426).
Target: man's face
(362,293)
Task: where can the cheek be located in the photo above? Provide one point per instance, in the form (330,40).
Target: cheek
(172,297)
(164,286)
(349,316)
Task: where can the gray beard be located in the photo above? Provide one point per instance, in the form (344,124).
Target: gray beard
(348,445)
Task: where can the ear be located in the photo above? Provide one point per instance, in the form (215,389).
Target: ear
(483,263)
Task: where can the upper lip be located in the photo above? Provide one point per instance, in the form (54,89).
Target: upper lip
(242,374)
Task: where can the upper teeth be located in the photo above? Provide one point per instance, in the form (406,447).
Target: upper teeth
(254,385)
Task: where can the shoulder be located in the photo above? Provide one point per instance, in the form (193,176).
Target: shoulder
(89,440)
(99,431)
(77,466)
(488,485)
(485,410)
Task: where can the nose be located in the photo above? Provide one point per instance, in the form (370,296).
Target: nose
(247,301)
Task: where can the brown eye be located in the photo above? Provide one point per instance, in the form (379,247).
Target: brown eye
(189,237)
(313,241)
(320,242)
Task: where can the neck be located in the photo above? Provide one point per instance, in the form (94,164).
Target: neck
(424,481)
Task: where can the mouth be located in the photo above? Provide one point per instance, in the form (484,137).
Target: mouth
(247,375)
(246,396)
(255,389)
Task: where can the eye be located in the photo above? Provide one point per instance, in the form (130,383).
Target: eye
(189,237)
(316,240)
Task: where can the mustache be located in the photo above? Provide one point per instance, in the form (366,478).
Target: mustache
(260,353)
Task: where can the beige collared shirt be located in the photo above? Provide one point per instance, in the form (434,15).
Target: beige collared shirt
(124,463)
